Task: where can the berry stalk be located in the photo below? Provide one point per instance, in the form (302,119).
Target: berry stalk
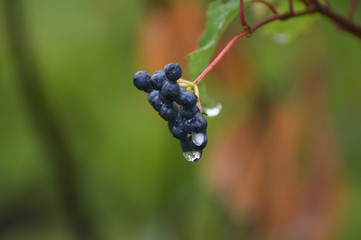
(219,57)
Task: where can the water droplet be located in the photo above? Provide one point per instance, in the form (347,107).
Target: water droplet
(192,156)
(198,138)
(212,112)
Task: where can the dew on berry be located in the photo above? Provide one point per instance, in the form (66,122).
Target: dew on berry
(185,121)
(192,156)
(198,138)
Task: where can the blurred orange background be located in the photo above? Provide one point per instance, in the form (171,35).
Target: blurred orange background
(84,156)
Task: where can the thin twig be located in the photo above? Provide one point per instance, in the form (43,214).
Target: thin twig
(343,22)
(270,6)
(290,2)
(310,9)
(241,15)
(351,9)
(220,56)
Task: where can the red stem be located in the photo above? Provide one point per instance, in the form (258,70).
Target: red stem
(241,15)
(290,2)
(284,16)
(345,23)
(270,6)
(220,56)
(351,9)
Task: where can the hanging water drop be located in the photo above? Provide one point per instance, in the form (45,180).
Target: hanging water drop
(212,112)
(192,156)
(198,138)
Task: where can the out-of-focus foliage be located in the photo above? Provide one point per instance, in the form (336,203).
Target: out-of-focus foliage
(285,148)
(219,15)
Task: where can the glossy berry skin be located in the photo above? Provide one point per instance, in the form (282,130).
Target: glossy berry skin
(178,132)
(163,99)
(156,103)
(170,90)
(199,123)
(152,95)
(173,72)
(187,126)
(141,80)
(185,121)
(187,99)
(157,79)
(177,121)
(187,144)
(169,111)
(188,113)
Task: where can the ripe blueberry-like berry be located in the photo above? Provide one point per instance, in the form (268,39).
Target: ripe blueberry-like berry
(173,71)
(170,90)
(187,126)
(164,99)
(169,111)
(141,80)
(187,99)
(157,79)
(156,103)
(177,121)
(178,132)
(152,95)
(186,123)
(187,144)
(188,113)
(199,123)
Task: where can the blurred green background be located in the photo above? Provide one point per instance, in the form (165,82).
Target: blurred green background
(83,155)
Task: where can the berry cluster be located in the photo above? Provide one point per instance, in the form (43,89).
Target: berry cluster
(176,105)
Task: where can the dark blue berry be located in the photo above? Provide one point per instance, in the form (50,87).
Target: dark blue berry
(157,79)
(157,104)
(187,126)
(186,123)
(170,90)
(187,144)
(178,132)
(152,95)
(153,99)
(188,113)
(169,111)
(199,123)
(164,99)
(141,80)
(187,99)
(173,71)
(177,121)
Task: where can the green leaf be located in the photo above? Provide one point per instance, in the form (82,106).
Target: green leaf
(219,16)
